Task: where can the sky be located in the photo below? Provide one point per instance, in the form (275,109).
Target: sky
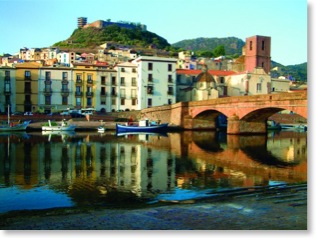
(41,23)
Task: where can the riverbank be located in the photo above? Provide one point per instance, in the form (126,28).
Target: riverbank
(275,209)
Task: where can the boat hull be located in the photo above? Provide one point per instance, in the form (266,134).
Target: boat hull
(59,128)
(18,127)
(153,128)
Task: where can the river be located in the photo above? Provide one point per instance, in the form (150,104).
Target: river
(51,170)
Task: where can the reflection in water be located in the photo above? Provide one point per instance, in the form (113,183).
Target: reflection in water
(105,168)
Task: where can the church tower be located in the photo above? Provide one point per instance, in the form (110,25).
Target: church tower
(257,53)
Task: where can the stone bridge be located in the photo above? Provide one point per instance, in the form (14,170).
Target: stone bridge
(245,114)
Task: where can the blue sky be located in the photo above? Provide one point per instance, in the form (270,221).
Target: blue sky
(41,23)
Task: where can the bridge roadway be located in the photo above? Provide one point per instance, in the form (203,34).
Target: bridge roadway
(245,114)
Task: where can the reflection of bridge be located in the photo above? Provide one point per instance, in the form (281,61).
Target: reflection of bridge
(245,114)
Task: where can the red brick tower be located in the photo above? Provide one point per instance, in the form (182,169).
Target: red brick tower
(257,53)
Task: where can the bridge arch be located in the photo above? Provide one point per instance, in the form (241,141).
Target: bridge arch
(209,119)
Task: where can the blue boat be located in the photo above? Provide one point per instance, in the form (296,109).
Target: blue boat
(142,126)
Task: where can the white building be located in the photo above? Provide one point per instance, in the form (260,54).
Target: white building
(55,89)
(127,86)
(156,81)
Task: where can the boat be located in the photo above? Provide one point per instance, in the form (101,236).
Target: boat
(14,126)
(142,126)
(294,127)
(63,126)
(101,129)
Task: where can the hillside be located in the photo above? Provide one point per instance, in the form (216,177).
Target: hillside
(92,37)
(232,45)
(296,72)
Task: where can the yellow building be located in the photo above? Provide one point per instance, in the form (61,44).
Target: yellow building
(85,76)
(27,86)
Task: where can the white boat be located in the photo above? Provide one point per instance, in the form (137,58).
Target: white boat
(101,129)
(63,126)
(13,126)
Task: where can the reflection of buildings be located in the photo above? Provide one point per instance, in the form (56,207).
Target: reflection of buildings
(94,165)
(288,149)
(124,166)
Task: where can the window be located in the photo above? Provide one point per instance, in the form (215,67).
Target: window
(47,100)
(122,101)
(258,87)
(134,101)
(65,75)
(27,74)
(65,100)
(150,89)
(170,90)
(222,79)
(123,81)
(134,82)
(133,70)
(169,101)
(123,93)
(150,66)
(169,67)
(47,75)
(78,102)
(103,80)
(133,93)
(149,102)
(113,80)
(7,73)
(89,102)
(113,101)
(103,92)
(262,45)
(150,77)
(169,78)
(250,46)
(122,69)
(78,78)
(262,64)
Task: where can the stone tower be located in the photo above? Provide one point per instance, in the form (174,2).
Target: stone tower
(257,53)
(82,21)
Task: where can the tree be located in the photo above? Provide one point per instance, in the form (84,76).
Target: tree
(219,51)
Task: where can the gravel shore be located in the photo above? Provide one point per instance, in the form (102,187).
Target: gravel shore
(280,210)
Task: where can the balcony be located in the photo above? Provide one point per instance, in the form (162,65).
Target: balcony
(89,81)
(89,94)
(27,78)
(7,91)
(78,82)
(64,81)
(48,82)
(64,92)
(170,92)
(48,92)
(78,94)
(103,94)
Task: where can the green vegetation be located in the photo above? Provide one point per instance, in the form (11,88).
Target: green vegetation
(217,46)
(91,37)
(297,72)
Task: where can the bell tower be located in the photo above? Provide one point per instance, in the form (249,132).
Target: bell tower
(257,53)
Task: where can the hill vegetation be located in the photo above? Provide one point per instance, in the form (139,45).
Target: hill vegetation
(231,47)
(92,37)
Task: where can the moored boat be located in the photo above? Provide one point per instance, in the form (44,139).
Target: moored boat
(13,126)
(142,126)
(63,126)
(101,129)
